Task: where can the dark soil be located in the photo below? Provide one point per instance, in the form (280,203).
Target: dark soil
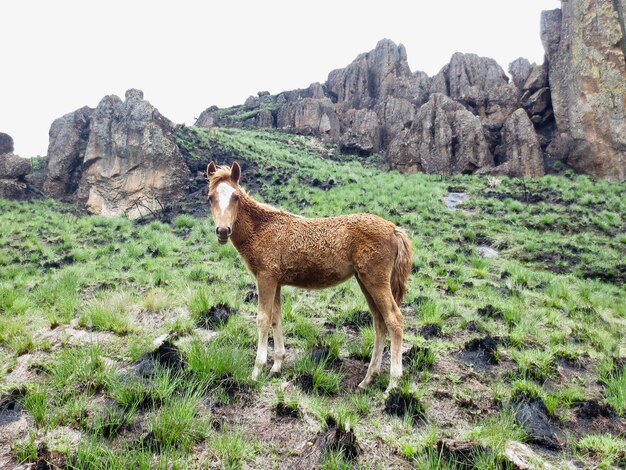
(594,417)
(403,404)
(532,414)
(480,352)
(215,317)
(430,331)
(10,406)
(460,454)
(358,319)
(251,297)
(285,411)
(489,311)
(338,439)
(167,355)
(320,354)
(305,382)
(530,196)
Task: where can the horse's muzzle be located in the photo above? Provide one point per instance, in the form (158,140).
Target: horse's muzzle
(223,234)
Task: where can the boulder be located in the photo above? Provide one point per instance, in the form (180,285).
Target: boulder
(468,77)
(585,45)
(208,117)
(520,153)
(132,164)
(264,119)
(13,166)
(12,189)
(537,79)
(519,70)
(6,143)
(66,149)
(538,102)
(309,116)
(252,102)
(443,138)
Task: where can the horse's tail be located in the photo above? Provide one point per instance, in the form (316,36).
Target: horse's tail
(401,266)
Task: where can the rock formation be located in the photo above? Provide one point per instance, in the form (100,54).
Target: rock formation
(585,44)
(120,158)
(66,150)
(13,170)
(444,138)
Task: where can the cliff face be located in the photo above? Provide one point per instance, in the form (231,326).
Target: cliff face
(120,158)
(585,45)
(575,104)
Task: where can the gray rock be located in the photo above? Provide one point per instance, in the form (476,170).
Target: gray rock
(538,102)
(520,153)
(132,164)
(537,79)
(452,200)
(252,102)
(66,149)
(520,70)
(208,118)
(14,166)
(444,138)
(6,143)
(309,116)
(360,131)
(12,189)
(264,119)
(585,44)
(487,252)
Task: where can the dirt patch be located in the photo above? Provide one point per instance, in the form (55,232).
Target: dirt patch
(251,297)
(321,354)
(358,319)
(338,439)
(353,372)
(284,410)
(480,353)
(594,417)
(616,276)
(430,331)
(489,311)
(166,355)
(215,317)
(460,454)
(402,404)
(532,414)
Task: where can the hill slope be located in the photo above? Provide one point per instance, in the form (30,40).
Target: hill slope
(86,305)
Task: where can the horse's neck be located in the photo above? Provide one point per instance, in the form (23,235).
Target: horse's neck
(251,217)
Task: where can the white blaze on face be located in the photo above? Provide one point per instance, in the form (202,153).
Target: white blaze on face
(224,192)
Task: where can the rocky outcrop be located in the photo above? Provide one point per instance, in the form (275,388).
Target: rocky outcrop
(13,170)
(6,143)
(132,164)
(519,154)
(585,44)
(120,158)
(519,70)
(444,138)
(68,136)
(307,116)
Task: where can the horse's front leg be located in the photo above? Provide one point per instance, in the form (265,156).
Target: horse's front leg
(267,293)
(277,327)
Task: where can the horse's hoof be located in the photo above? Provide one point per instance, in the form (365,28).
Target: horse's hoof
(364,385)
(255,374)
(274,373)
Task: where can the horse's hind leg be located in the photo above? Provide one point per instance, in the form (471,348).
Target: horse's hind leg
(379,345)
(279,344)
(381,294)
(267,292)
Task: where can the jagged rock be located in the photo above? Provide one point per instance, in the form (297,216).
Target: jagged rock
(6,143)
(68,139)
(360,131)
(500,101)
(444,138)
(537,79)
(585,44)
(520,70)
(468,77)
(520,153)
(372,76)
(208,117)
(394,115)
(316,90)
(12,189)
(309,116)
(252,102)
(538,102)
(132,164)
(264,119)
(13,166)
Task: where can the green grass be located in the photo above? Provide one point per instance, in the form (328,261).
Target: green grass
(556,289)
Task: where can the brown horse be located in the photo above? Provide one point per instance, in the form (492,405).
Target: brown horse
(281,248)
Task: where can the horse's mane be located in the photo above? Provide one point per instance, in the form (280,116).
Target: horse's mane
(222,173)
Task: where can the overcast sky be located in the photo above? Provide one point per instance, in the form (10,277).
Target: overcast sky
(59,55)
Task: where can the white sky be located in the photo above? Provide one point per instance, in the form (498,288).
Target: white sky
(59,55)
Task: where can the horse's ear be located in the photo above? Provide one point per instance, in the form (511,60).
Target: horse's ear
(210,169)
(235,172)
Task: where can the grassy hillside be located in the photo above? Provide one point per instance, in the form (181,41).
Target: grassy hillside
(130,343)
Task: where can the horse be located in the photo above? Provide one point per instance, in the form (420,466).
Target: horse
(281,248)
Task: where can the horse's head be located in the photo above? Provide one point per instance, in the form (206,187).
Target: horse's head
(224,195)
